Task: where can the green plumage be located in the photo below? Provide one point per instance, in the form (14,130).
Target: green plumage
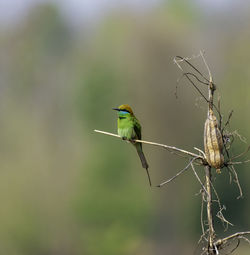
(129,128)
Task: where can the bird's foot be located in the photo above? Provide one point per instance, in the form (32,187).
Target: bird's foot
(124,138)
(132,141)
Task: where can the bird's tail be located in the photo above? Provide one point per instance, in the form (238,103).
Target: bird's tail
(144,162)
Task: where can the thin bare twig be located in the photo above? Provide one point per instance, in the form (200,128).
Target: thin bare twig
(198,178)
(242,138)
(228,120)
(205,62)
(210,84)
(224,240)
(236,179)
(221,208)
(186,75)
(222,218)
(195,76)
(237,245)
(202,209)
(244,238)
(181,59)
(218,105)
(202,152)
(241,154)
(238,162)
(179,173)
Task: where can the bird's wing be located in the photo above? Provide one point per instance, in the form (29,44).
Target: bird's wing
(137,128)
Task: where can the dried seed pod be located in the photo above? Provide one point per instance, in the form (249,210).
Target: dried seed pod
(213,142)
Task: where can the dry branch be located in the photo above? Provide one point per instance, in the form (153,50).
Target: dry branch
(211,233)
(170,148)
(223,241)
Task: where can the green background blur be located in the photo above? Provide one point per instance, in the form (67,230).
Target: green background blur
(65,190)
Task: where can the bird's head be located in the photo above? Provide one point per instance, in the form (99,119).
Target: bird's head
(124,109)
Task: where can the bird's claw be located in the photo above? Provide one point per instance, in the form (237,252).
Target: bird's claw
(132,141)
(124,138)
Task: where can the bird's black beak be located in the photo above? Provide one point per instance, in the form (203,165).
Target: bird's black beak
(116,109)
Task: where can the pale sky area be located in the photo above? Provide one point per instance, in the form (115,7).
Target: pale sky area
(79,10)
(11,11)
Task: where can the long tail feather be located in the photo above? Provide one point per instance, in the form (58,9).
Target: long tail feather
(144,162)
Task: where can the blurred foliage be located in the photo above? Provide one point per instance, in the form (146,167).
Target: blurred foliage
(66,190)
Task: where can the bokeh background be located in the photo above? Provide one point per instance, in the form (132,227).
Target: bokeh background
(65,190)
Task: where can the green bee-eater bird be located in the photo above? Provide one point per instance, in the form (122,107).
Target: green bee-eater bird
(129,128)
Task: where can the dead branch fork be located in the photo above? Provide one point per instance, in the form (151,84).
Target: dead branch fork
(214,146)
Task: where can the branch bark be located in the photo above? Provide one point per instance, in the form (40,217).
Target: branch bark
(211,232)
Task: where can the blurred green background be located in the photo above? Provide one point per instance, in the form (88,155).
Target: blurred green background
(65,190)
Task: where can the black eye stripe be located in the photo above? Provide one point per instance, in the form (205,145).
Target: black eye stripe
(124,110)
